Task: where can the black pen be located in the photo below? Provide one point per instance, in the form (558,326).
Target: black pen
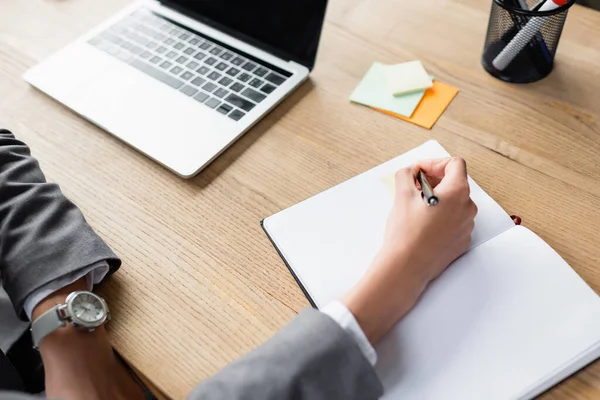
(426,189)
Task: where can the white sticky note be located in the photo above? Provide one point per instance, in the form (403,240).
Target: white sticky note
(407,78)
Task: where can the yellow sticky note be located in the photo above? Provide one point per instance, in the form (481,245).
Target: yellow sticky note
(431,107)
(407,77)
(390,183)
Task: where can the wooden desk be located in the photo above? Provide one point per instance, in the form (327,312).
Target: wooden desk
(201,284)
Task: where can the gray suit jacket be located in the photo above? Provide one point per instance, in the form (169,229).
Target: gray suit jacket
(43,236)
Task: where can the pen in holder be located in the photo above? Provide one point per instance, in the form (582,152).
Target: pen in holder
(522,37)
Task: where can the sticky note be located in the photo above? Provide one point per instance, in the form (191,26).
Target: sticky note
(389,182)
(407,78)
(373,91)
(429,110)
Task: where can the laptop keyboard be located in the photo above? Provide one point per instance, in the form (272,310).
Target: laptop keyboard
(217,77)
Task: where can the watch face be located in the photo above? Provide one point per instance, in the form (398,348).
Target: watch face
(87,309)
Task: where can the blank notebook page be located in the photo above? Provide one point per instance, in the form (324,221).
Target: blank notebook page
(501,321)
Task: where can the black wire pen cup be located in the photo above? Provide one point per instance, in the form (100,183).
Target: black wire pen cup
(522,38)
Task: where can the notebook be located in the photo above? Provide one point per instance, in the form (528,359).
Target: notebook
(507,320)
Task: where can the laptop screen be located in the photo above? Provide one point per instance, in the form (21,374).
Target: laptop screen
(288,29)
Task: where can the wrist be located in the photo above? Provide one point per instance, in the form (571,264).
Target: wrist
(80,364)
(61,346)
(385,294)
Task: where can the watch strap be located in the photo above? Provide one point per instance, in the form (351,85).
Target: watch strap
(47,323)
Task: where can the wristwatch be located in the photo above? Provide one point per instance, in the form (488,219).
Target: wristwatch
(83,309)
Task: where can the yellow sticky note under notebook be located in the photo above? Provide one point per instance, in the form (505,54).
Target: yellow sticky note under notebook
(431,107)
(390,182)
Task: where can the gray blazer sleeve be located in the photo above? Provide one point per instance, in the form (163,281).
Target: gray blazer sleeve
(312,358)
(43,236)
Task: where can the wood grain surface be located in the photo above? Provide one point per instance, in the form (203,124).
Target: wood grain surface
(200,283)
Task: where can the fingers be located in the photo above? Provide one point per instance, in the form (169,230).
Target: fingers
(435,168)
(406,182)
(445,174)
(455,177)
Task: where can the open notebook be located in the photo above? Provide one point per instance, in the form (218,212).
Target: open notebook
(507,320)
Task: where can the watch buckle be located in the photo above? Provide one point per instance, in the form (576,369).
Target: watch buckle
(62,312)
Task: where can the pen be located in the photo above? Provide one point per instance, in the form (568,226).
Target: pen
(426,189)
(521,39)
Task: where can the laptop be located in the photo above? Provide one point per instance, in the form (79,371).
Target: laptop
(181,80)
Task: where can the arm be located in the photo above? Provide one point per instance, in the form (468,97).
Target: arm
(46,248)
(43,235)
(313,357)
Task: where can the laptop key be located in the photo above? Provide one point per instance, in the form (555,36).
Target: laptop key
(249,66)
(221,66)
(151,45)
(188,90)
(239,102)
(212,102)
(156,73)
(275,79)
(226,56)
(179,45)
(236,87)
(189,51)
(232,71)
(194,41)
(237,61)
(209,87)
(187,75)
(255,83)
(137,50)
(159,36)
(214,75)
(161,49)
(205,45)
(155,60)
(181,59)
(184,36)
(201,97)
(202,70)
(176,70)
(254,95)
(224,108)
(236,115)
(260,71)
(146,55)
(244,77)
(169,41)
(267,88)
(199,56)
(126,45)
(225,81)
(198,81)
(216,51)
(166,64)
(171,54)
(210,61)
(192,65)
(220,93)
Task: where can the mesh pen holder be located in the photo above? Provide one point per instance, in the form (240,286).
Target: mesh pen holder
(520,44)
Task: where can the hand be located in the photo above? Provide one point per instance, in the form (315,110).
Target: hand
(420,242)
(81,365)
